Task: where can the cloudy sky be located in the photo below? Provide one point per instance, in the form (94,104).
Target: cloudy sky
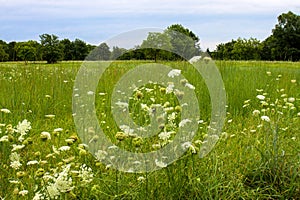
(95,21)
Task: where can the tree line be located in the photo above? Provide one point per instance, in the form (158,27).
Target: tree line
(282,44)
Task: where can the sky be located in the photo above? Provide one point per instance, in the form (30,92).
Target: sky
(96,21)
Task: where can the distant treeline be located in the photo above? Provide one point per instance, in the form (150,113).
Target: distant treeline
(282,44)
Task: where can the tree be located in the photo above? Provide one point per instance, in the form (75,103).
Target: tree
(157,45)
(3,55)
(287,36)
(100,52)
(80,49)
(117,52)
(67,48)
(27,51)
(50,48)
(184,42)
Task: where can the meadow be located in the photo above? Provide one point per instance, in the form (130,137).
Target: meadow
(256,157)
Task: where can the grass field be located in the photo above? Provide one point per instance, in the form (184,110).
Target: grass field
(256,157)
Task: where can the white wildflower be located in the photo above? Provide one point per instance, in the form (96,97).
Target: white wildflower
(141,178)
(160,164)
(265,118)
(190,86)
(32,162)
(22,128)
(127,130)
(64,148)
(38,196)
(195,59)
(15,165)
(5,110)
(46,135)
(170,88)
(164,135)
(50,116)
(293,81)
(52,191)
(90,93)
(23,192)
(122,104)
(291,99)
(86,174)
(101,155)
(188,145)
(17,147)
(183,122)
(255,112)
(4,138)
(58,130)
(174,72)
(260,97)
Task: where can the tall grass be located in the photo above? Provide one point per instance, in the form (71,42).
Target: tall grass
(254,158)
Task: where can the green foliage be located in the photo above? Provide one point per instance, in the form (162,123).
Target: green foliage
(100,52)
(253,159)
(50,48)
(283,44)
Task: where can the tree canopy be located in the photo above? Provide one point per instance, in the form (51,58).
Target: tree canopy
(176,42)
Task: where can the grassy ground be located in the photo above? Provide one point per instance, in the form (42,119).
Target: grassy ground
(256,157)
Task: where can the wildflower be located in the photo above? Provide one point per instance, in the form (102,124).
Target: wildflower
(86,174)
(298,114)
(38,196)
(45,135)
(229,121)
(200,121)
(122,104)
(183,122)
(141,178)
(260,97)
(293,81)
(160,164)
(188,145)
(100,155)
(174,72)
(64,148)
(23,192)
(58,130)
(32,162)
(190,86)
(90,93)
(170,88)
(269,73)
(291,99)
(127,130)
(15,165)
(265,118)
(53,191)
(4,138)
(50,116)
(255,112)
(5,110)
(22,128)
(17,147)
(164,135)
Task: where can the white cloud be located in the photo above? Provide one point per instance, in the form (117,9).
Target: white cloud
(92,8)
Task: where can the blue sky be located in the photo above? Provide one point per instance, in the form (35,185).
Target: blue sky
(214,21)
